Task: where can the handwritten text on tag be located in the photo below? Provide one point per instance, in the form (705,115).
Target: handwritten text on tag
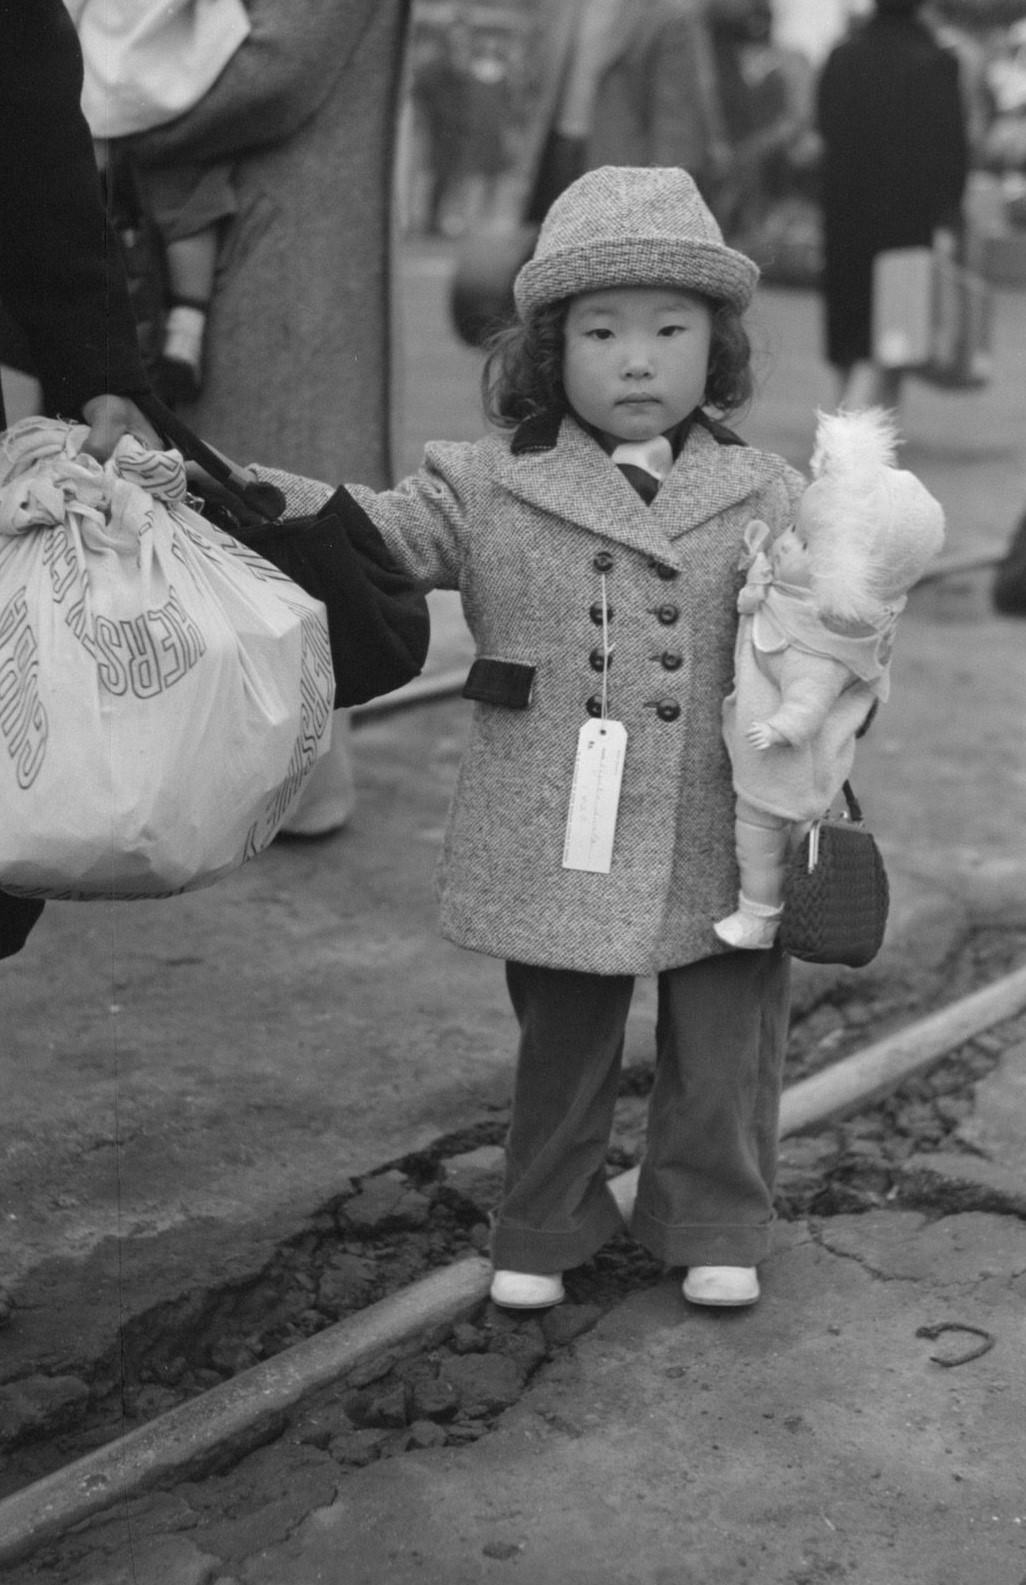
(595,798)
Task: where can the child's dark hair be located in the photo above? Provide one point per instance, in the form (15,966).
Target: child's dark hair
(523,372)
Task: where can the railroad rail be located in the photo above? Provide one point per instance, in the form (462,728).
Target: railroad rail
(182,1437)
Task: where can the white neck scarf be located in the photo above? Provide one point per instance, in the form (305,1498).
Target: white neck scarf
(655,455)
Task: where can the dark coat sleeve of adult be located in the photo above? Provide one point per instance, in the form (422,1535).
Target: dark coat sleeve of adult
(378,622)
(61,275)
(61,278)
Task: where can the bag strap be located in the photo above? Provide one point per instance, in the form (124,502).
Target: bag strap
(854,807)
(266,500)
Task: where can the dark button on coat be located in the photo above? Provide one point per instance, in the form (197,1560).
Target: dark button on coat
(519,536)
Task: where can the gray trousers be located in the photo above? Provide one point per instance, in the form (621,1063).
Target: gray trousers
(705,1188)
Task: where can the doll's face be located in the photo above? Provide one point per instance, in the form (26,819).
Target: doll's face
(789,557)
(636,358)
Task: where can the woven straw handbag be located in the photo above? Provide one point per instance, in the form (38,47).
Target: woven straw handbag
(836,893)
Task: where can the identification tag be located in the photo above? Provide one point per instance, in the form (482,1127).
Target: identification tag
(595,798)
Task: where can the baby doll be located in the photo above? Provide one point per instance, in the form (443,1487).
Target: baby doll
(818,612)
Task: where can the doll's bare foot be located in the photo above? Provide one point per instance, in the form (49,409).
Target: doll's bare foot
(751,928)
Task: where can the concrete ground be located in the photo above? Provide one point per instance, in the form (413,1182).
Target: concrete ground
(187,1074)
(185,1081)
(815,1440)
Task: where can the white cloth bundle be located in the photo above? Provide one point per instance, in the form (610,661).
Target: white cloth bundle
(164,692)
(147,62)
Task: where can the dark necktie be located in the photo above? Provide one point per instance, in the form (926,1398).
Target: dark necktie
(645,464)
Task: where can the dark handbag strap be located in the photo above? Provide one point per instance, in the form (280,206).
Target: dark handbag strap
(266,500)
(854,807)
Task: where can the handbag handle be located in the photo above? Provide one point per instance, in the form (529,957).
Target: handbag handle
(854,807)
(266,500)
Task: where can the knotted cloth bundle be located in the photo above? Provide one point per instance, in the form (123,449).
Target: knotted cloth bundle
(164,692)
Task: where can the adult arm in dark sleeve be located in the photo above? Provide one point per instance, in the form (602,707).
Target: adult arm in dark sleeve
(61,276)
(61,279)
(378,622)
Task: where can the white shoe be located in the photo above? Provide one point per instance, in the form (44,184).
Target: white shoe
(721,1285)
(749,930)
(521,1290)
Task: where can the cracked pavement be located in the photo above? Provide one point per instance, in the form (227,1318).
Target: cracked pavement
(811,1441)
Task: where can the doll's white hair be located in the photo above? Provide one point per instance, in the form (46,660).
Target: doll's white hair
(877,526)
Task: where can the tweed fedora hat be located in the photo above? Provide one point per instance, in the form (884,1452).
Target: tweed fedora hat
(624,225)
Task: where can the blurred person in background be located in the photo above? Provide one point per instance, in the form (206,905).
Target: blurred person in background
(440,100)
(621,82)
(61,280)
(766,97)
(633,82)
(891,115)
(298,346)
(491,127)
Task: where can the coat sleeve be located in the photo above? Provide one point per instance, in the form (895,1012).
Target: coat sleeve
(61,276)
(378,623)
(423,522)
(426,519)
(275,82)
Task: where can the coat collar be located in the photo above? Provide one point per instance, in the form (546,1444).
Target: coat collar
(555,464)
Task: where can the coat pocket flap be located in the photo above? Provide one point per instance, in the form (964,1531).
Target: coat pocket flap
(502,682)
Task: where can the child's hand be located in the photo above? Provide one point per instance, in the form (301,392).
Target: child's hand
(761,735)
(236,499)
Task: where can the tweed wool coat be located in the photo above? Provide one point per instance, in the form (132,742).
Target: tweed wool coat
(527,531)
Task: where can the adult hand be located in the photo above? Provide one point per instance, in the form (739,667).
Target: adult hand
(110,417)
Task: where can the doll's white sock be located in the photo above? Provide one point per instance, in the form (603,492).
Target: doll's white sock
(762,861)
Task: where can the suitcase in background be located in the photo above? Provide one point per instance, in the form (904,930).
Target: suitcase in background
(932,316)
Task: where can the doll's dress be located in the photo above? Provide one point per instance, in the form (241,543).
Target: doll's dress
(816,684)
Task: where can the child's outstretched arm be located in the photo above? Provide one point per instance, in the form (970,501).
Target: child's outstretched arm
(370,555)
(378,623)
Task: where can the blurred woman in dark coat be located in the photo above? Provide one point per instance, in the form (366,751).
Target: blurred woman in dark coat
(891,116)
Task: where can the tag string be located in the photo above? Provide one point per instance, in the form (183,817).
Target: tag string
(606,651)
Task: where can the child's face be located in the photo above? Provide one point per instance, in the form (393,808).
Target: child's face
(636,358)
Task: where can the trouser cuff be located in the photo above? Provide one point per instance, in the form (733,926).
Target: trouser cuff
(702,1244)
(515,1247)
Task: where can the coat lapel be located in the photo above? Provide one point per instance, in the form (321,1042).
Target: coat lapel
(574,480)
(707,479)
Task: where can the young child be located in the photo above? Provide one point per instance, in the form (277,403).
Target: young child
(590,835)
(818,614)
(146,62)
